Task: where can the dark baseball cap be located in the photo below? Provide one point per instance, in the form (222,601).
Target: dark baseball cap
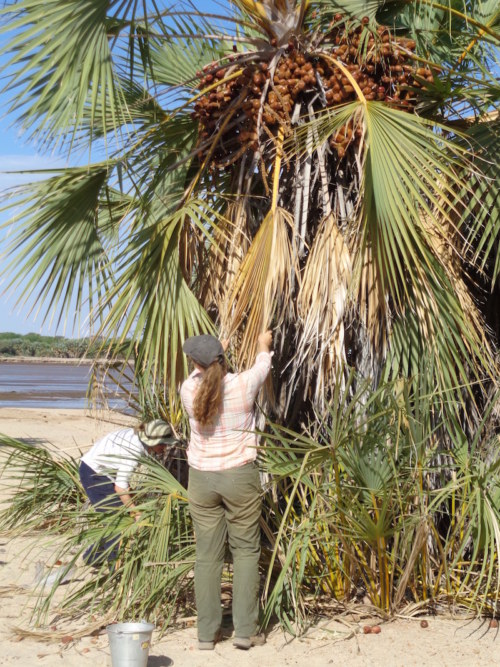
(204,349)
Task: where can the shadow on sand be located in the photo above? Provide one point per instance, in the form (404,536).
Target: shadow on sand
(159,661)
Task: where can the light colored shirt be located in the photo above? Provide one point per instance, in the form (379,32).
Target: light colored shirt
(230,440)
(116,455)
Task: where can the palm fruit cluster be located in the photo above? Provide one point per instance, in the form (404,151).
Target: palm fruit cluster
(253,101)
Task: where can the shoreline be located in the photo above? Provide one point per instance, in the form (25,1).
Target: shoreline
(73,361)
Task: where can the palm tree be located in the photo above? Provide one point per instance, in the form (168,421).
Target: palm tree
(324,168)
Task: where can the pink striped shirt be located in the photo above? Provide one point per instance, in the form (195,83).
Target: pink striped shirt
(230,440)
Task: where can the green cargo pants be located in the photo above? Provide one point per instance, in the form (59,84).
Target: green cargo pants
(224,504)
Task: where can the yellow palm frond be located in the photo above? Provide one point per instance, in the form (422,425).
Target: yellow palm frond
(260,294)
(278,17)
(254,8)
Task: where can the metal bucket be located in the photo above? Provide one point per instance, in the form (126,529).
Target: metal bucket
(129,643)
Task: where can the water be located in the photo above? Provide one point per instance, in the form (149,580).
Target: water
(52,385)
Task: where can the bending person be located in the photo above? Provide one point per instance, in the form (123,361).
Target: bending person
(105,472)
(224,490)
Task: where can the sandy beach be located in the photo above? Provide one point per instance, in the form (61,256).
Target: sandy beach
(402,642)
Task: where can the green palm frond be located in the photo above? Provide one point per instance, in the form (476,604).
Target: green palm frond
(151,301)
(59,241)
(156,554)
(410,172)
(159,158)
(177,62)
(355,9)
(51,79)
(120,121)
(473,540)
(405,188)
(45,490)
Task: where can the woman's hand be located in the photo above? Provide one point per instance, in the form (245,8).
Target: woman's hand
(264,341)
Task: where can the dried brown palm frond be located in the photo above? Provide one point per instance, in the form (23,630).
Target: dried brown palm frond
(260,293)
(321,305)
(7,591)
(69,634)
(225,257)
(442,240)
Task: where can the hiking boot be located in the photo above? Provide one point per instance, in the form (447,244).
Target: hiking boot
(247,642)
(206,646)
(210,645)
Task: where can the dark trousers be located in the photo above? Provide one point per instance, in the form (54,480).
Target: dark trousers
(101,492)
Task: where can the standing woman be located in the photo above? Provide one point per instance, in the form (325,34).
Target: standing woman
(224,489)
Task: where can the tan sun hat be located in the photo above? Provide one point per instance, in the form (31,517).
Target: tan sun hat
(156,432)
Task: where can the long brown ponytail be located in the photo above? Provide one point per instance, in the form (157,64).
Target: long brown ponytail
(208,398)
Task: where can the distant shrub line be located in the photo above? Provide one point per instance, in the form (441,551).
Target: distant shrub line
(36,345)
